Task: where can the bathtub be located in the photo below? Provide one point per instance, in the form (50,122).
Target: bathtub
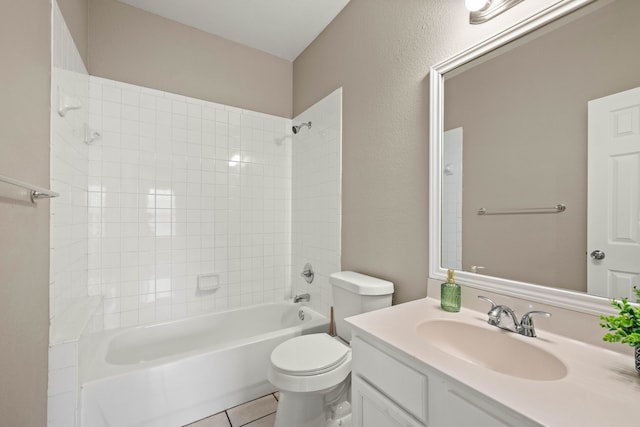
(174,373)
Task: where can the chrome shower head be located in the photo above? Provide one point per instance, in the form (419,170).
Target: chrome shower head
(296,129)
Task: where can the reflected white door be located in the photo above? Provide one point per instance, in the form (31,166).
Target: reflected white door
(452,200)
(614,195)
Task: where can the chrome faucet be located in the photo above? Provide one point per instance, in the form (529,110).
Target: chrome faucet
(302,298)
(524,327)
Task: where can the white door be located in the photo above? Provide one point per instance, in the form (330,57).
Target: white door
(613,233)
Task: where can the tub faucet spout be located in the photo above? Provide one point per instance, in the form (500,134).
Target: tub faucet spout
(302,298)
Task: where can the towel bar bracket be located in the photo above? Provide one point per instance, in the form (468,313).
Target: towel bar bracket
(35,192)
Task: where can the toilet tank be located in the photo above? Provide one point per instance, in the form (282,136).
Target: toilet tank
(355,293)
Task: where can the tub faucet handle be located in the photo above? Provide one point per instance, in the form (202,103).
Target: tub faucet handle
(308,273)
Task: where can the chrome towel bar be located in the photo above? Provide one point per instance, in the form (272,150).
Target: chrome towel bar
(560,207)
(35,191)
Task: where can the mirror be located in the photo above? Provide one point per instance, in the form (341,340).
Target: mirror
(509,132)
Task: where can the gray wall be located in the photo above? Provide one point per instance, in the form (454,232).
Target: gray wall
(25,44)
(134,46)
(380,52)
(524,115)
(76,15)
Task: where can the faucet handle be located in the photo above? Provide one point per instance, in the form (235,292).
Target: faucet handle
(307,273)
(490,301)
(526,324)
(495,312)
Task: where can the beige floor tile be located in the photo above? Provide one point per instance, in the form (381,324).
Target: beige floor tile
(218,420)
(267,421)
(277,395)
(250,411)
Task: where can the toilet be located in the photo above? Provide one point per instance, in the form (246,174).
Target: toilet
(312,371)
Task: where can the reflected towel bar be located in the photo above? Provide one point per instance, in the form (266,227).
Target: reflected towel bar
(559,208)
(35,191)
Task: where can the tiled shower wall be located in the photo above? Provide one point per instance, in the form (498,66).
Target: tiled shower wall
(180,187)
(173,188)
(68,266)
(69,162)
(317,198)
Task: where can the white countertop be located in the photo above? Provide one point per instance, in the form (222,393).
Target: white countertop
(601,388)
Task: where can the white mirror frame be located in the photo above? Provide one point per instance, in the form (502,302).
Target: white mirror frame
(556,297)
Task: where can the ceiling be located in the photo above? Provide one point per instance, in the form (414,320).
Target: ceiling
(283,28)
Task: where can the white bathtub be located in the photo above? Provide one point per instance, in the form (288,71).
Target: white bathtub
(174,373)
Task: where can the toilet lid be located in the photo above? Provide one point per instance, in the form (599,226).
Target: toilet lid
(309,355)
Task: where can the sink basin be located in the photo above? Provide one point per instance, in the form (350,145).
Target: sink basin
(493,348)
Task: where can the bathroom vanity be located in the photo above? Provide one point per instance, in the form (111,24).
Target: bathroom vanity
(417,365)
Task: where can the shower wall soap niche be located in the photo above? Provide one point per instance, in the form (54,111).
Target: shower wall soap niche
(208,282)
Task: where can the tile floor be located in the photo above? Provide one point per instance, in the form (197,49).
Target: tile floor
(260,412)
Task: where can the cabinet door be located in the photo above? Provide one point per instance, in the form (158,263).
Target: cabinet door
(400,383)
(454,406)
(372,409)
(463,412)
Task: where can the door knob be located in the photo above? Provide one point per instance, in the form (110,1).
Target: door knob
(597,255)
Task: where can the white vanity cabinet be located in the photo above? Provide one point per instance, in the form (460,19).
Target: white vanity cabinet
(372,409)
(386,388)
(457,406)
(391,390)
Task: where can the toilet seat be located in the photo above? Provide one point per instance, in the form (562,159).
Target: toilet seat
(309,355)
(311,362)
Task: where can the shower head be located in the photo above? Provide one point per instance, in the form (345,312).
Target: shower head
(296,129)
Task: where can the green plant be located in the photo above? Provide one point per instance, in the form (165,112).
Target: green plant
(625,327)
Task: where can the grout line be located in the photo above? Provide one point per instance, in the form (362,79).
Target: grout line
(226,411)
(253,421)
(248,401)
(257,398)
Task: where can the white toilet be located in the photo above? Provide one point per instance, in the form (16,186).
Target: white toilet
(312,371)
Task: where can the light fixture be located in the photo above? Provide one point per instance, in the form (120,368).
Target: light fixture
(482,10)
(475,5)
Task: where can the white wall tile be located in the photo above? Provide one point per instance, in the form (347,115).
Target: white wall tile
(316,200)
(185,202)
(61,410)
(69,240)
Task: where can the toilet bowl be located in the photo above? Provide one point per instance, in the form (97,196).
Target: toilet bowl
(313,372)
